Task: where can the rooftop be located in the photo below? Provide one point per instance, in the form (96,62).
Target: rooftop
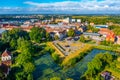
(88,33)
(6,53)
(101,26)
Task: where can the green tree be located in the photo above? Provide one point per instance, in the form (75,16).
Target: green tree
(30,77)
(97,65)
(3,45)
(6,36)
(23,58)
(116,31)
(37,34)
(82,38)
(55,78)
(48,37)
(29,67)
(55,56)
(71,32)
(93,29)
(107,43)
(2,76)
(24,45)
(56,37)
(72,61)
(12,36)
(20,76)
(13,44)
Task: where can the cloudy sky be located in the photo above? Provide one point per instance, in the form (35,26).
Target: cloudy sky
(60,6)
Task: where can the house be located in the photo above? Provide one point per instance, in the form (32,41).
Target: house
(76,20)
(6,61)
(107,76)
(79,20)
(92,24)
(66,20)
(110,37)
(108,34)
(82,28)
(73,20)
(78,33)
(7,25)
(118,40)
(61,34)
(94,36)
(27,28)
(104,31)
(52,34)
(6,58)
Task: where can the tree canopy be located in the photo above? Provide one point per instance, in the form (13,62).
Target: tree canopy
(98,64)
(37,34)
(71,32)
(82,38)
(12,36)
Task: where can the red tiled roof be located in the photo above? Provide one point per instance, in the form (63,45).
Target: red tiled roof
(105,31)
(48,29)
(6,53)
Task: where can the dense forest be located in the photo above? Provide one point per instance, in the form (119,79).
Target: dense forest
(24,48)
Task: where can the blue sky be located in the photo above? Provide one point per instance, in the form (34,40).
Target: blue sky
(60,6)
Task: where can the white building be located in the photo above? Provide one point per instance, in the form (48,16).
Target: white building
(66,20)
(79,20)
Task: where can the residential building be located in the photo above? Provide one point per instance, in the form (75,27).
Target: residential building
(104,31)
(107,76)
(82,28)
(73,20)
(110,37)
(66,20)
(108,34)
(76,20)
(94,36)
(118,40)
(61,35)
(6,61)
(79,20)
(92,24)
(6,58)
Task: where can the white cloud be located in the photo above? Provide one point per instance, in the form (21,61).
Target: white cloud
(84,6)
(10,9)
(89,5)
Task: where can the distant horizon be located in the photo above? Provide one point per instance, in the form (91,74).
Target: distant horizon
(54,14)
